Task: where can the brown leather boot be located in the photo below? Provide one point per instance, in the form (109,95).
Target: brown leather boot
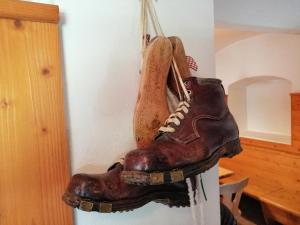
(106,193)
(194,138)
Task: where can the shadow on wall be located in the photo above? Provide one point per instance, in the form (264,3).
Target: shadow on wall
(262,107)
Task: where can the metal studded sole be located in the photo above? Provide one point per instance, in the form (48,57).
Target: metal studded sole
(230,149)
(172,199)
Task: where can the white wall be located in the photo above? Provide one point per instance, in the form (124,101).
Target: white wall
(258,14)
(267,54)
(101,54)
(261,106)
(268,107)
(267,67)
(238,107)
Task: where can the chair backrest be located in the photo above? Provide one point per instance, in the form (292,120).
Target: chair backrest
(232,193)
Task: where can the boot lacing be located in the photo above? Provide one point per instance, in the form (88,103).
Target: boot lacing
(183,106)
(174,118)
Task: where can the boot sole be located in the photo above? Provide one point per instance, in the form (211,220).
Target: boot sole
(172,199)
(230,149)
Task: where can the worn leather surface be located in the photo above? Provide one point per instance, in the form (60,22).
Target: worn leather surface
(207,127)
(109,186)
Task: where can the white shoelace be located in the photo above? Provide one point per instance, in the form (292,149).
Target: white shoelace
(174,118)
(196,203)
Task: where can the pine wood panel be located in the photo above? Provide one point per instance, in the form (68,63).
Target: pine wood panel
(295,102)
(270,145)
(296,118)
(22,10)
(34,164)
(274,177)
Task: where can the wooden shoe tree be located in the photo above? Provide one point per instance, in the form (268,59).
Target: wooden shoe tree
(152,106)
(180,57)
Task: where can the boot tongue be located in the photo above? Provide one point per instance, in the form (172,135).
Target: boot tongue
(160,135)
(115,165)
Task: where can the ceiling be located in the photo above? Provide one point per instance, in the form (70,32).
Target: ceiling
(274,15)
(236,20)
(225,37)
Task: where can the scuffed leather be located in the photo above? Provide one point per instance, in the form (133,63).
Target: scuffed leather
(207,127)
(109,186)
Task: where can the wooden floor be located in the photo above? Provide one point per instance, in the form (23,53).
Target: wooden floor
(274,179)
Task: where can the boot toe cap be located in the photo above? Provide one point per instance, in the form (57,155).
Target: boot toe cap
(144,160)
(84,186)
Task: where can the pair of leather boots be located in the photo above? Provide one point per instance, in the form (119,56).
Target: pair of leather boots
(189,142)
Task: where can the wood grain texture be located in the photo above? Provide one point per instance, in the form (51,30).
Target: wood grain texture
(274,176)
(22,10)
(295,102)
(272,213)
(151,109)
(271,145)
(180,57)
(34,163)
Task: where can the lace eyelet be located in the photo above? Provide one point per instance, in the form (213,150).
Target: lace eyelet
(189,92)
(186,83)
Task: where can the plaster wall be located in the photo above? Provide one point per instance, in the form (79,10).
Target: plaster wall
(280,15)
(101,49)
(267,67)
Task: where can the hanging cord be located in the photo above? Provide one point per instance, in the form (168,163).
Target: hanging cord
(178,74)
(176,81)
(154,18)
(148,10)
(143,26)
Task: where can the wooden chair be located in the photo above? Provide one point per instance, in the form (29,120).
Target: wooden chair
(231,193)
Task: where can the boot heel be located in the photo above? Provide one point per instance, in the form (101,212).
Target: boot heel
(232,148)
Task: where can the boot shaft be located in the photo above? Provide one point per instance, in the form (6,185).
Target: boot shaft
(207,96)
(208,115)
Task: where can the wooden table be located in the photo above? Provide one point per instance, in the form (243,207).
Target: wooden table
(223,172)
(274,180)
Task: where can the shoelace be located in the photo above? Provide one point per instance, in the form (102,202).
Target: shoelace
(174,118)
(183,106)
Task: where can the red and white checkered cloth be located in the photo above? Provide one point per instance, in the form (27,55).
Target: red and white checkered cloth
(191,63)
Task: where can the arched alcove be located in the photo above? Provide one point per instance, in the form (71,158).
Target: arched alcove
(261,106)
(276,54)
